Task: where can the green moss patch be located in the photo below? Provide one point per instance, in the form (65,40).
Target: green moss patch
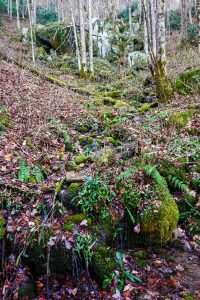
(2,230)
(180,119)
(80,159)
(158,226)
(188,82)
(103,263)
(75,220)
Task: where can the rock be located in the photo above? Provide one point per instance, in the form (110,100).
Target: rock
(167,168)
(58,36)
(158,226)
(70,194)
(80,159)
(103,263)
(137,59)
(147,106)
(40,53)
(104,156)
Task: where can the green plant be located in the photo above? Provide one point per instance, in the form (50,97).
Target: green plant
(95,197)
(151,171)
(24,172)
(27,174)
(122,276)
(37,173)
(45,16)
(177,183)
(83,246)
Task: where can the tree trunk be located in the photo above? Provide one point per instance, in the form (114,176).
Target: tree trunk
(83,42)
(17,11)
(91,39)
(183,19)
(130,18)
(198,20)
(30,11)
(75,36)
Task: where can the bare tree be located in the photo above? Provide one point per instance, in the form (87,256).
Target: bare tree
(90,39)
(17,11)
(75,36)
(183,18)
(31,17)
(198,20)
(82,37)
(130,17)
(154,15)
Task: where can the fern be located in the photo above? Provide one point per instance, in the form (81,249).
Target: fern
(37,173)
(178,184)
(126,174)
(151,171)
(24,172)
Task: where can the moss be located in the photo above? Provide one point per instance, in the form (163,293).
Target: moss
(188,296)
(68,146)
(180,119)
(75,220)
(167,168)
(70,166)
(2,230)
(80,159)
(132,198)
(141,263)
(83,128)
(73,190)
(140,254)
(119,103)
(64,68)
(158,226)
(147,106)
(27,290)
(104,156)
(111,140)
(103,263)
(40,52)
(188,82)
(111,94)
(83,73)
(98,102)
(106,114)
(163,88)
(85,140)
(4,121)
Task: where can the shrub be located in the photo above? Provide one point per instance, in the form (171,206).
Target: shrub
(175,19)
(45,16)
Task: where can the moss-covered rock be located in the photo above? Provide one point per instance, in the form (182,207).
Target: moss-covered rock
(147,106)
(80,159)
(112,94)
(188,82)
(75,220)
(180,119)
(56,36)
(2,229)
(167,168)
(158,226)
(36,255)
(83,128)
(103,263)
(104,156)
(70,166)
(84,140)
(40,53)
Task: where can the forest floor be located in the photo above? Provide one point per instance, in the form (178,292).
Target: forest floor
(38,113)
